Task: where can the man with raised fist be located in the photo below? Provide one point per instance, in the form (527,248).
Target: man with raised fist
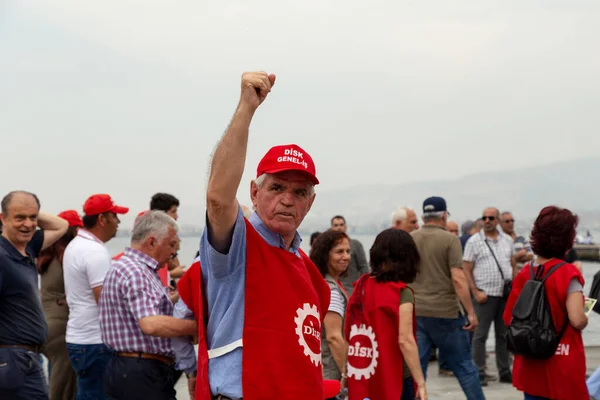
(264,298)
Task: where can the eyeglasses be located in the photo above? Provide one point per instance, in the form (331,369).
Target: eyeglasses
(485,218)
(508,221)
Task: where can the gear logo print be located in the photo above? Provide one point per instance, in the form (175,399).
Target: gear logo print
(308,329)
(362,352)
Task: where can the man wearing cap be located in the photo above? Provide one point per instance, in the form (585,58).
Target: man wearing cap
(85,264)
(23,327)
(438,287)
(265,298)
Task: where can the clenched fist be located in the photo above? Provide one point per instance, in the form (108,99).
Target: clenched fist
(255,88)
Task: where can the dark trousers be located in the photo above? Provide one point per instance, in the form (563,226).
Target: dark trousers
(491,310)
(139,379)
(21,375)
(408,389)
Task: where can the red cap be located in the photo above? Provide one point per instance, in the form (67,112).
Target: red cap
(71,217)
(139,215)
(101,203)
(331,388)
(288,157)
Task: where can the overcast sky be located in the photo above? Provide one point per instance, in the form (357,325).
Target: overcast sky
(130,97)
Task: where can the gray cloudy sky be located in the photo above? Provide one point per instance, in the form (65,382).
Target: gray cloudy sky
(130,97)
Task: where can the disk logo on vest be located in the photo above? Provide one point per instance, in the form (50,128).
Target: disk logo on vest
(362,352)
(308,329)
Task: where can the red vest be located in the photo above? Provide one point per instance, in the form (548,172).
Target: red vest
(372,329)
(561,377)
(163,273)
(286,299)
(190,291)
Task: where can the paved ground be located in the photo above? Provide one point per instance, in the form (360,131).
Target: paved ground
(442,388)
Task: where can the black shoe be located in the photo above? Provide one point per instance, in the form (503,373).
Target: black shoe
(506,378)
(483,381)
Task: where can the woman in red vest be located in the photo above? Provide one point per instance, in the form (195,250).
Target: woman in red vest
(331,254)
(381,314)
(561,377)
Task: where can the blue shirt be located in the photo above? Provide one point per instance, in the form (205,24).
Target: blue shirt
(223,279)
(22,319)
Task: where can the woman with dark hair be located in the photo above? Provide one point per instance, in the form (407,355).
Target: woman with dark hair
(561,377)
(63,380)
(331,254)
(380,324)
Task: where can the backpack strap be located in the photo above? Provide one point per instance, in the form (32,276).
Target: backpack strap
(551,270)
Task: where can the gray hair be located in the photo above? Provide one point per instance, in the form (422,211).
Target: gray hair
(401,214)
(153,223)
(467,226)
(261,180)
(433,216)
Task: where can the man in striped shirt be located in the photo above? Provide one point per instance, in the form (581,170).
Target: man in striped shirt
(135,314)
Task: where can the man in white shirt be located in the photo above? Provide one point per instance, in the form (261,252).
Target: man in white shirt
(85,264)
(489,262)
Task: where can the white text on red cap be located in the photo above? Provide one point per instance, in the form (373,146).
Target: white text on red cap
(296,157)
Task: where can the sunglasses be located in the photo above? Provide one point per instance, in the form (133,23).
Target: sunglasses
(509,221)
(485,218)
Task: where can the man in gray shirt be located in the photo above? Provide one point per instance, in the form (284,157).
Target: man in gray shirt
(358,261)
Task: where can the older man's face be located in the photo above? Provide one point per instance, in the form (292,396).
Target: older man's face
(490,219)
(411,223)
(283,201)
(452,227)
(20,221)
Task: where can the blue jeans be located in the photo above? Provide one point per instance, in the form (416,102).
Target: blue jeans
(452,340)
(89,362)
(21,375)
(442,363)
(531,397)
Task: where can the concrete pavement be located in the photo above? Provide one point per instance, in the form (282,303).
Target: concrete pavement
(447,388)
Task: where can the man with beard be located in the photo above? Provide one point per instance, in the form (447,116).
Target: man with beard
(489,262)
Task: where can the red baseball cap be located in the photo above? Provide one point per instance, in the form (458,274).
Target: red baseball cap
(139,215)
(101,203)
(71,217)
(287,157)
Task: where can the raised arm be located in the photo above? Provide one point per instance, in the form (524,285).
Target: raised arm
(228,161)
(54,228)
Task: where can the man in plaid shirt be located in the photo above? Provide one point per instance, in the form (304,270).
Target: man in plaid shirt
(135,314)
(489,261)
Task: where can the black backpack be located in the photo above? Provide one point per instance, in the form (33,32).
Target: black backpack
(531,332)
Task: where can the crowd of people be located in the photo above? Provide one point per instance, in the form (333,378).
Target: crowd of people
(255,317)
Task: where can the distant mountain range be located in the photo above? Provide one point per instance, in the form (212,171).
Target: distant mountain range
(368,208)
